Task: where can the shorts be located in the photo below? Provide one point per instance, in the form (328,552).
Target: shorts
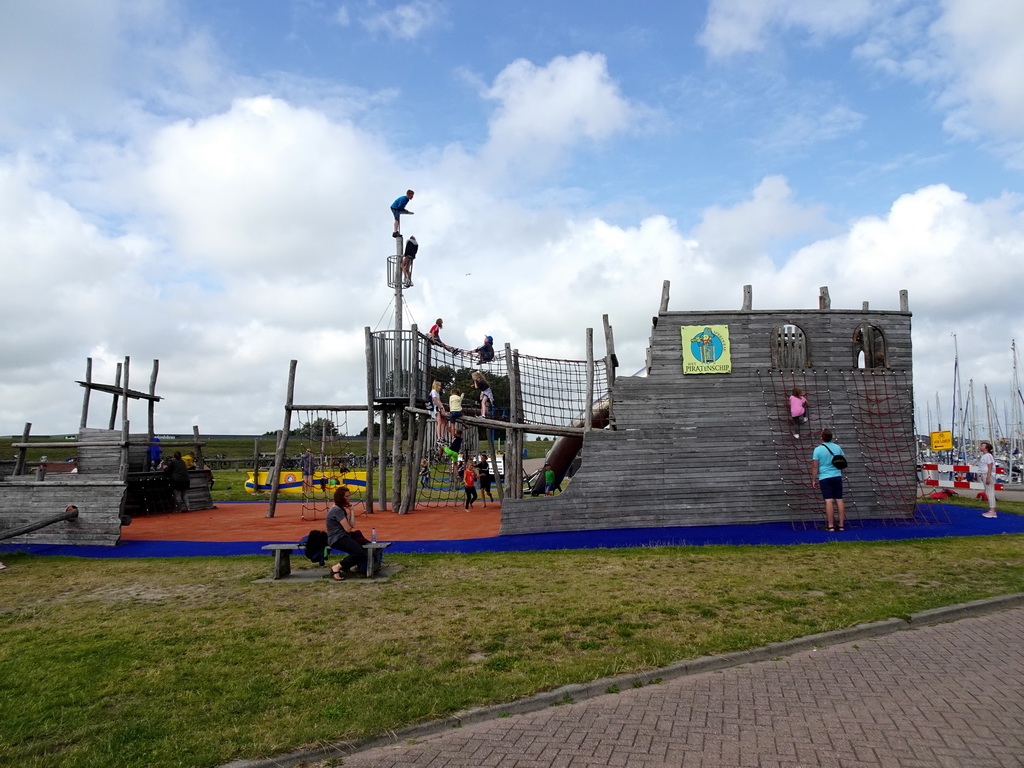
(453,416)
(831,487)
(398,212)
(488,394)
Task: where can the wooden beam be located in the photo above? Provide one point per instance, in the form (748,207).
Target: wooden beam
(71,513)
(118,391)
(540,429)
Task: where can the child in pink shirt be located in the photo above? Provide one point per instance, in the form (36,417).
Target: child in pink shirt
(797,410)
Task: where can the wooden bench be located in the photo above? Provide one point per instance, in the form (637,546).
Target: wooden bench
(283,557)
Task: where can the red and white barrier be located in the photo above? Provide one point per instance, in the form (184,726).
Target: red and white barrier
(960,483)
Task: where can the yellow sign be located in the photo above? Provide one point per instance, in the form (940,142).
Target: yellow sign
(706,349)
(942,441)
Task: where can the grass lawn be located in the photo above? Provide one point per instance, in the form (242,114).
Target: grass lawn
(186,662)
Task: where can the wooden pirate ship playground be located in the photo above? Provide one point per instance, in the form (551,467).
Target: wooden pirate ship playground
(700,437)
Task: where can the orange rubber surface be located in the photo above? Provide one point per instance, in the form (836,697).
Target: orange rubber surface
(245,521)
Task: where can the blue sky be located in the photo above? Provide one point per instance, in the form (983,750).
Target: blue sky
(205,183)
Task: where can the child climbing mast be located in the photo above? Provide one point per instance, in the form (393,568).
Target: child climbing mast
(797,410)
(411,247)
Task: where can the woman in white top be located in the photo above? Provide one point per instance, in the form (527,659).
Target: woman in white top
(438,408)
(988,464)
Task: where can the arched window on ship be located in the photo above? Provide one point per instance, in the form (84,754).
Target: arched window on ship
(789,348)
(869,348)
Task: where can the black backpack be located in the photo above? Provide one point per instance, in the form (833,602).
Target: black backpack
(838,460)
(316,543)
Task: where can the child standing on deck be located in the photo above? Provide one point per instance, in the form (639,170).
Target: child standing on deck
(454,407)
(797,410)
(486,394)
(549,480)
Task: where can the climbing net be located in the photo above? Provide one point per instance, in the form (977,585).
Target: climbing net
(881,404)
(552,392)
(881,407)
(324,433)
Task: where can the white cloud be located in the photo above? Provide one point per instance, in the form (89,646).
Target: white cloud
(969,54)
(266,182)
(985,46)
(408,21)
(743,26)
(545,111)
(742,234)
(93,63)
(804,128)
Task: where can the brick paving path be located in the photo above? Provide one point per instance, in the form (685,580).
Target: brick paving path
(950,695)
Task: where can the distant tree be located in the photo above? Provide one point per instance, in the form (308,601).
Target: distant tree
(443,374)
(463,380)
(316,429)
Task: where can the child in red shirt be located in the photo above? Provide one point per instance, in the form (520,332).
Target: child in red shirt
(469,480)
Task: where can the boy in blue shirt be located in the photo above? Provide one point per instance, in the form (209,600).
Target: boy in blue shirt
(398,208)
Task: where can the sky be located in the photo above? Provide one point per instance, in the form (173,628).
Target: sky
(206,184)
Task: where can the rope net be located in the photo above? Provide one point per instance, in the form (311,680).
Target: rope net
(324,434)
(880,404)
(552,392)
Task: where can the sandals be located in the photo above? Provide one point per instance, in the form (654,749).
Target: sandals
(831,529)
(337,575)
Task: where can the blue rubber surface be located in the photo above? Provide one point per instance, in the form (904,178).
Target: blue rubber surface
(964,521)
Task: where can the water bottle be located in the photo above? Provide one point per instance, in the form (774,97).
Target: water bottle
(373,535)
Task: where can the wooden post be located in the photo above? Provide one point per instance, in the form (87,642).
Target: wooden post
(611,362)
(664,297)
(382,443)
(124,391)
(411,465)
(88,392)
(370,368)
(904,301)
(152,402)
(515,467)
(417,432)
(396,439)
(748,298)
(824,301)
(396,461)
(113,407)
(588,415)
(282,442)
(122,470)
(256,466)
(493,456)
(198,448)
(19,466)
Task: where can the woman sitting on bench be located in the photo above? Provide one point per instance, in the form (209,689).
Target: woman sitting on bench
(339,528)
